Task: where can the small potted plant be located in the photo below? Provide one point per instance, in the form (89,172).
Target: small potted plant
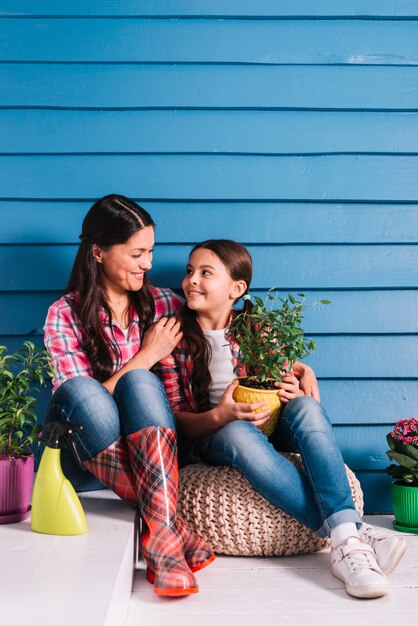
(21,374)
(403,443)
(271,339)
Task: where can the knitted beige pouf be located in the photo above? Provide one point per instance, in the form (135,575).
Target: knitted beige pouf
(219,504)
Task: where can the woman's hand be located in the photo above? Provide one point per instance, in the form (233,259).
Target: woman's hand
(289,388)
(160,340)
(307,380)
(228,410)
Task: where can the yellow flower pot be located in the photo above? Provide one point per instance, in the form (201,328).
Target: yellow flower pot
(271,399)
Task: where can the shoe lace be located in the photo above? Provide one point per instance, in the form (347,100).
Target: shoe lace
(373,537)
(359,560)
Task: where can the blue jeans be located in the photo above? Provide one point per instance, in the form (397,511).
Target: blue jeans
(139,400)
(320,498)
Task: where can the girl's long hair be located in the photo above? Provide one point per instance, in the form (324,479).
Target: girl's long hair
(238,263)
(111,220)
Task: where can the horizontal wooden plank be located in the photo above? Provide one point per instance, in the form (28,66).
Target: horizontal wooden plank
(355,403)
(376,490)
(366,356)
(250,132)
(363,447)
(208,86)
(375,312)
(223,8)
(209,41)
(353,357)
(363,312)
(278,584)
(60,222)
(366,402)
(373,456)
(180,177)
(310,593)
(40,268)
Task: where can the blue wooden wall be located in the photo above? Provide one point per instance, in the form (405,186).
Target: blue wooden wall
(290,126)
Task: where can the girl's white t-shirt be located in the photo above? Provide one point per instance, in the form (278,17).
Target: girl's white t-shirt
(221,367)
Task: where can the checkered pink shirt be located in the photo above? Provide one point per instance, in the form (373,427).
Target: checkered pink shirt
(63,337)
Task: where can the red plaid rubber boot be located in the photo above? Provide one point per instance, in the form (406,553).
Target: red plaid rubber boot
(196,551)
(153,454)
(112,467)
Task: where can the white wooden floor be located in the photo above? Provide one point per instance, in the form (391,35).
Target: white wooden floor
(86,580)
(296,590)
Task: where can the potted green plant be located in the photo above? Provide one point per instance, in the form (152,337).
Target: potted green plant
(271,339)
(403,443)
(21,375)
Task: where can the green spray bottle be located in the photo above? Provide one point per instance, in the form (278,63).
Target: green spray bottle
(56,508)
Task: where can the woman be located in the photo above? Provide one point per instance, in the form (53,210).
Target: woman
(104,336)
(220,431)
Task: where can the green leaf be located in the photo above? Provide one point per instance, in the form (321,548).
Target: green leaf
(271,334)
(391,441)
(402,459)
(396,471)
(411,451)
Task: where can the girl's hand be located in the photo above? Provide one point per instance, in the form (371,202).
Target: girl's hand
(228,410)
(289,388)
(308,382)
(160,339)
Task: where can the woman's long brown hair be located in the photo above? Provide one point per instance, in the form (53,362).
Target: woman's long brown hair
(111,220)
(238,263)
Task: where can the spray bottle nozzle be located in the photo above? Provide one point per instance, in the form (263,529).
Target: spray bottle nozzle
(64,431)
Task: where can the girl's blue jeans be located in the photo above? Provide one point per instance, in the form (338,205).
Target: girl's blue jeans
(320,499)
(139,400)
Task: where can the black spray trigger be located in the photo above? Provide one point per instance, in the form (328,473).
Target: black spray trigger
(64,431)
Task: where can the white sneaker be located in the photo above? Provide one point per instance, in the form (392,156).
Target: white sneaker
(388,548)
(354,563)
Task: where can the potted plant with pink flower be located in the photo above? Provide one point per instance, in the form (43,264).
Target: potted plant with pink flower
(403,443)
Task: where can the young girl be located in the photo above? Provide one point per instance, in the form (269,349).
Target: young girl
(104,335)
(217,430)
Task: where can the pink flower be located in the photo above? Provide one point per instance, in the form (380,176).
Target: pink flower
(406,431)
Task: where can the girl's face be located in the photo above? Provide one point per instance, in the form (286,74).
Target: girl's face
(124,264)
(208,287)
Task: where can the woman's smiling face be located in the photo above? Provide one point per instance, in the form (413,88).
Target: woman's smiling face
(208,287)
(123,266)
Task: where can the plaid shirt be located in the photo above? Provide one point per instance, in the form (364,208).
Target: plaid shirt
(176,372)
(64,340)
